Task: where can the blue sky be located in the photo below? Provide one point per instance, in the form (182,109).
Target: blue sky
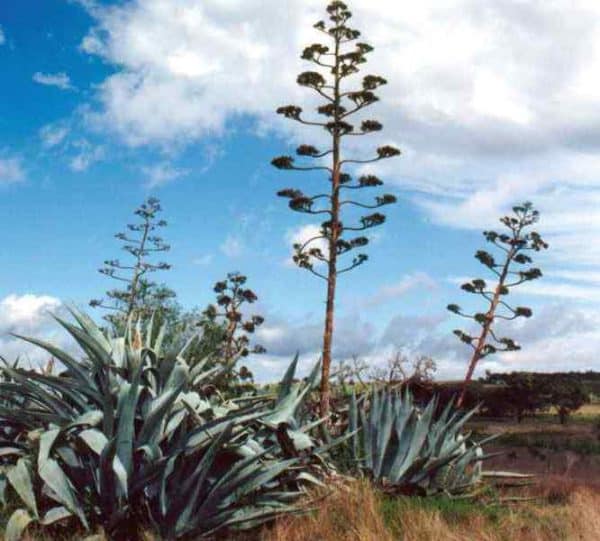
(106,103)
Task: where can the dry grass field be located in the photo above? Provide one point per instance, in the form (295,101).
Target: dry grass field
(558,512)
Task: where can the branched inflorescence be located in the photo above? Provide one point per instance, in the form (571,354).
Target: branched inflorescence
(511,269)
(335,63)
(140,296)
(231,297)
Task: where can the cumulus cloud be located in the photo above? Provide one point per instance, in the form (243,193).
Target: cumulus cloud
(282,338)
(491,102)
(212,60)
(2,36)
(560,336)
(11,170)
(28,315)
(162,173)
(25,312)
(548,342)
(308,233)
(59,80)
(476,78)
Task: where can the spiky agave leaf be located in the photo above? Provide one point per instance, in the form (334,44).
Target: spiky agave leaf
(125,432)
(401,445)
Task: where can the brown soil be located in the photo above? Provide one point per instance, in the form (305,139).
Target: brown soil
(547,464)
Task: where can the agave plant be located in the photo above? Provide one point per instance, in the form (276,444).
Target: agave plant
(123,439)
(408,449)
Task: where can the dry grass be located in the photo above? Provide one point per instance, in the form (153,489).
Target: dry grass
(563,511)
(588,410)
(350,513)
(358,513)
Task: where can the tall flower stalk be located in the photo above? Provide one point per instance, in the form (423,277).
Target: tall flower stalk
(336,62)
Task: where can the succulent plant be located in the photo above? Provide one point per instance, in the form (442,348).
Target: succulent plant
(124,438)
(401,446)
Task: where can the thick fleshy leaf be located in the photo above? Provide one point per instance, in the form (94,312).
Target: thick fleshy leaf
(126,424)
(286,383)
(19,477)
(191,489)
(156,417)
(17,524)
(97,442)
(70,363)
(55,478)
(55,514)
(90,326)
(203,463)
(407,446)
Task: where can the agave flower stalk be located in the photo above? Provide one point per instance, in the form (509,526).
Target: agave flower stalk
(336,61)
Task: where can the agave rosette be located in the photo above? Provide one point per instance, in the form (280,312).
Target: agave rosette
(402,446)
(127,433)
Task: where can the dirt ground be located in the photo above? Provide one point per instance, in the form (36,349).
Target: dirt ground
(542,446)
(547,464)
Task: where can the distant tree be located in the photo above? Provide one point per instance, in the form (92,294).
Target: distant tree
(400,369)
(138,297)
(532,392)
(520,393)
(566,394)
(350,371)
(513,246)
(335,63)
(229,330)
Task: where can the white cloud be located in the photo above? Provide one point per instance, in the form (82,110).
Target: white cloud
(560,336)
(60,80)
(162,173)
(11,170)
(587,293)
(2,36)
(53,134)
(232,246)
(25,311)
(493,97)
(212,60)
(28,315)
(468,69)
(87,154)
(284,338)
(490,102)
(309,235)
(408,283)
(576,275)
